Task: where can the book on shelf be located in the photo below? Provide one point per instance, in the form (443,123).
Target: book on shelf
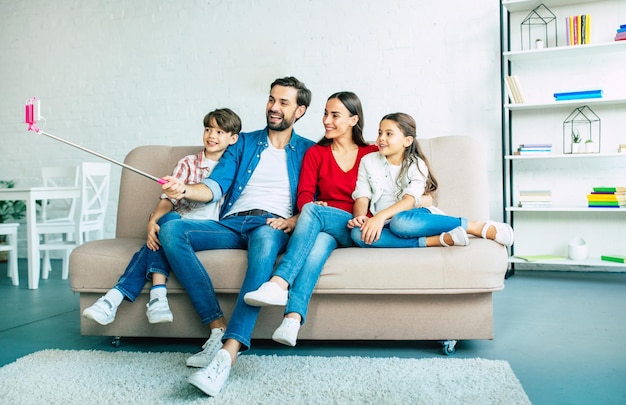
(606,197)
(536,258)
(578,95)
(578,29)
(614,258)
(513,87)
(535,199)
(607,189)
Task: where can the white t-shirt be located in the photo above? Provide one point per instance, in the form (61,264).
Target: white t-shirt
(268,188)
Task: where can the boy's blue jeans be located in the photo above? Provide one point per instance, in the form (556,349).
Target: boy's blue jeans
(143,264)
(318,232)
(180,240)
(410,229)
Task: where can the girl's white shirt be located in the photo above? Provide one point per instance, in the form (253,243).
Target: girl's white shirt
(377,182)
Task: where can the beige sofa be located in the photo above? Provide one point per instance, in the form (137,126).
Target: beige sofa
(392,294)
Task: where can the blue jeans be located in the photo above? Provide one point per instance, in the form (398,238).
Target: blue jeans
(182,238)
(318,232)
(143,264)
(410,229)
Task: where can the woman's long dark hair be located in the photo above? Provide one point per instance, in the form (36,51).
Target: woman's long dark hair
(353,105)
(407,125)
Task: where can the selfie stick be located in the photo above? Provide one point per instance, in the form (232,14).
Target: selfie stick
(30,120)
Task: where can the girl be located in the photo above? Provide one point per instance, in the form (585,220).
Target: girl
(391,184)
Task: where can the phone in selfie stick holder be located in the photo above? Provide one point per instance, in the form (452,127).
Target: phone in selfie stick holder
(33,114)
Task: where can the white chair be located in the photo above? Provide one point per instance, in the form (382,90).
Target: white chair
(56,219)
(10,231)
(95,179)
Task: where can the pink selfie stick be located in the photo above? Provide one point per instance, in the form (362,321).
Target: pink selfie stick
(31,121)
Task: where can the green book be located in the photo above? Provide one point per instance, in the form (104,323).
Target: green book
(616,259)
(609,189)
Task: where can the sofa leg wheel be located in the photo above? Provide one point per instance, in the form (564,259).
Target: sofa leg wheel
(116,341)
(448,347)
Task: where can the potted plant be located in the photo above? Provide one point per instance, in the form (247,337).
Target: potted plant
(9,210)
(590,146)
(575,141)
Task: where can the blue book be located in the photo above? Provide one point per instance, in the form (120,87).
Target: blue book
(621,30)
(579,93)
(623,26)
(577,97)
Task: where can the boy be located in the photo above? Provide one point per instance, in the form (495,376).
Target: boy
(221,129)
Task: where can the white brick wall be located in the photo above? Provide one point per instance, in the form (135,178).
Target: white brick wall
(116,74)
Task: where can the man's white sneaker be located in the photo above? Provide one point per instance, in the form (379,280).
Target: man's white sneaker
(287,332)
(268,294)
(211,379)
(459,237)
(102,311)
(158,311)
(209,349)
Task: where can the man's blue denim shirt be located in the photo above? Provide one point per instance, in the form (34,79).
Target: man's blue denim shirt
(239,161)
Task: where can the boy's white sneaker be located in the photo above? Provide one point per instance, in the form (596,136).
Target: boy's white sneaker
(211,379)
(158,311)
(209,349)
(102,311)
(269,293)
(287,332)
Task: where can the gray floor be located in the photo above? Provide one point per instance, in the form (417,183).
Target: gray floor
(563,333)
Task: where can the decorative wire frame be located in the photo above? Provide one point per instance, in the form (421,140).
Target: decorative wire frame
(539,16)
(582,121)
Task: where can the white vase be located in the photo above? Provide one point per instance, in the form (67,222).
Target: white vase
(577,249)
(590,147)
(575,147)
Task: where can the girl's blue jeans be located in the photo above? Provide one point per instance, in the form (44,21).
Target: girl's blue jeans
(410,229)
(143,264)
(180,240)
(318,232)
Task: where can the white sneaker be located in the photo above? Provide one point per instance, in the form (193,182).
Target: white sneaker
(459,237)
(287,332)
(209,349)
(102,311)
(158,311)
(211,379)
(268,294)
(504,232)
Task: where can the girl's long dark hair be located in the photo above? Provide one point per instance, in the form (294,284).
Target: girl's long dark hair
(353,104)
(407,125)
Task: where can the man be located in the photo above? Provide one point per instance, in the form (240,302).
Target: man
(258,177)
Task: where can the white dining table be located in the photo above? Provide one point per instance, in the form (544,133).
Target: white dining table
(30,195)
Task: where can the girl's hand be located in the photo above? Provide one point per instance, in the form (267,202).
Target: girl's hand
(153,242)
(370,231)
(357,221)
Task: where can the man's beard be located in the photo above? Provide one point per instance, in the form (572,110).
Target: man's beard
(281,126)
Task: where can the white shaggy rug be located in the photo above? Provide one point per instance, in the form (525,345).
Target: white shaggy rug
(99,377)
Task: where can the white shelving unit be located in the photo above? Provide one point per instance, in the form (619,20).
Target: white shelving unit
(569,177)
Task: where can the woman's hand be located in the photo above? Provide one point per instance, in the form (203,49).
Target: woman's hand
(357,221)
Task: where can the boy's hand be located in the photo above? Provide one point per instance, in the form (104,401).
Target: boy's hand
(153,242)
(174,188)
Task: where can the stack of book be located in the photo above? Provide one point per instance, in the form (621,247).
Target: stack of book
(607,197)
(534,149)
(513,89)
(621,33)
(578,95)
(621,148)
(535,198)
(577,29)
